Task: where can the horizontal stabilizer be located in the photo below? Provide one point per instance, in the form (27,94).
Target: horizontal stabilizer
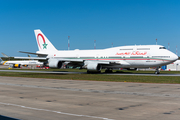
(40,54)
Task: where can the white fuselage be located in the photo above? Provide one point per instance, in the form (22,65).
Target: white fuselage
(124,57)
(29,62)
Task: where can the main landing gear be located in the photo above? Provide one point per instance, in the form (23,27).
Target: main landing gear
(108,71)
(157,70)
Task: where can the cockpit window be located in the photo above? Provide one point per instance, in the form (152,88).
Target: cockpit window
(162,48)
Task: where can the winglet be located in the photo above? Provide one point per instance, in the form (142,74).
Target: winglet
(1,61)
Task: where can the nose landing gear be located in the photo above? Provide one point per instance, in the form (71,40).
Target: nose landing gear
(157,70)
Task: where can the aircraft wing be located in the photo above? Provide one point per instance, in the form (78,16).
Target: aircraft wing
(105,62)
(32,58)
(70,60)
(109,62)
(82,61)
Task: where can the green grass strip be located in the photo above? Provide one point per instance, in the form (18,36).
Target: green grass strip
(99,77)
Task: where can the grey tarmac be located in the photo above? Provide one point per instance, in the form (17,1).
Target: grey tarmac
(52,99)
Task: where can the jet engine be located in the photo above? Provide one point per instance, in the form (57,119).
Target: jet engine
(16,65)
(55,63)
(94,67)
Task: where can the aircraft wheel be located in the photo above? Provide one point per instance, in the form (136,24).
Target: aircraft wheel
(88,72)
(108,71)
(157,72)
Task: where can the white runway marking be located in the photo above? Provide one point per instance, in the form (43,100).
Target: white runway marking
(46,110)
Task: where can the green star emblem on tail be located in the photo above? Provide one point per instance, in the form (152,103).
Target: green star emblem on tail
(45,45)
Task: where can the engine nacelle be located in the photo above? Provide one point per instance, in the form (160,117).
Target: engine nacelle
(25,65)
(93,67)
(55,63)
(17,65)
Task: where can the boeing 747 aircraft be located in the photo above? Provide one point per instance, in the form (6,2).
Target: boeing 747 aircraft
(138,56)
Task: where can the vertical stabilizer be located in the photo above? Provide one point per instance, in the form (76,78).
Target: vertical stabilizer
(1,61)
(5,55)
(43,43)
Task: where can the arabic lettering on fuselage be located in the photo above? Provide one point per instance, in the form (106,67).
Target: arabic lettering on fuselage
(132,53)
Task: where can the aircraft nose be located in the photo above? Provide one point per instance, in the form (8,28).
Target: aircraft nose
(174,57)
